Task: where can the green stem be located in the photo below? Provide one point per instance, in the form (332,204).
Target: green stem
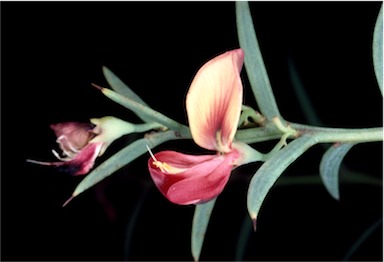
(139,128)
(258,134)
(341,135)
(322,134)
(249,112)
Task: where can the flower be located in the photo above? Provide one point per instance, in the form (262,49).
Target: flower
(82,143)
(213,105)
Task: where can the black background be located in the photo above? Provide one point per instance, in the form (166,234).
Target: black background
(52,52)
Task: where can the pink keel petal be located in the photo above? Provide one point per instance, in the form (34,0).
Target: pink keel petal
(214,101)
(177,161)
(201,178)
(80,164)
(73,136)
(85,160)
(196,190)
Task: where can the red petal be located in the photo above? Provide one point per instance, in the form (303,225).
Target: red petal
(80,164)
(214,101)
(200,179)
(84,161)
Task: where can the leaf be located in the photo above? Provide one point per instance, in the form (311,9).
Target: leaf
(199,226)
(118,160)
(117,85)
(271,170)
(120,87)
(145,111)
(377,49)
(330,165)
(253,61)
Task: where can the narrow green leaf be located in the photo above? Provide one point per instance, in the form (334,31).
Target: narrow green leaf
(253,61)
(271,170)
(199,226)
(120,87)
(330,165)
(377,49)
(145,111)
(120,159)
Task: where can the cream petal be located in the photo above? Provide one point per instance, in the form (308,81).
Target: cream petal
(214,101)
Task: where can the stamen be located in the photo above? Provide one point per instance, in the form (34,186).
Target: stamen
(59,157)
(164,167)
(150,152)
(72,150)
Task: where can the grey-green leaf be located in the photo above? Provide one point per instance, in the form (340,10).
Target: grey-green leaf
(199,227)
(145,111)
(253,61)
(330,165)
(377,49)
(120,87)
(271,170)
(120,159)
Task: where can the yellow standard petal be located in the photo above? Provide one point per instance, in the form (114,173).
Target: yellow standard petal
(214,101)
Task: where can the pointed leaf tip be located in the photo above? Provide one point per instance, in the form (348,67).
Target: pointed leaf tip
(330,167)
(68,200)
(97,86)
(253,216)
(270,171)
(254,224)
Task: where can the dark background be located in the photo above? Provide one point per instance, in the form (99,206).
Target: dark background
(52,52)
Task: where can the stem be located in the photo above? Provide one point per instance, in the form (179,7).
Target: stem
(322,134)
(139,128)
(258,134)
(342,135)
(249,112)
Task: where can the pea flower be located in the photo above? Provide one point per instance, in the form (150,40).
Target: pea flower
(213,106)
(82,143)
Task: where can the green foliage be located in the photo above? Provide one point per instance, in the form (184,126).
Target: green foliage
(271,170)
(253,61)
(120,159)
(276,162)
(199,227)
(377,47)
(120,87)
(330,165)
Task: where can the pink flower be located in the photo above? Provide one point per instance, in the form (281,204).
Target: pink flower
(213,105)
(82,143)
(78,155)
